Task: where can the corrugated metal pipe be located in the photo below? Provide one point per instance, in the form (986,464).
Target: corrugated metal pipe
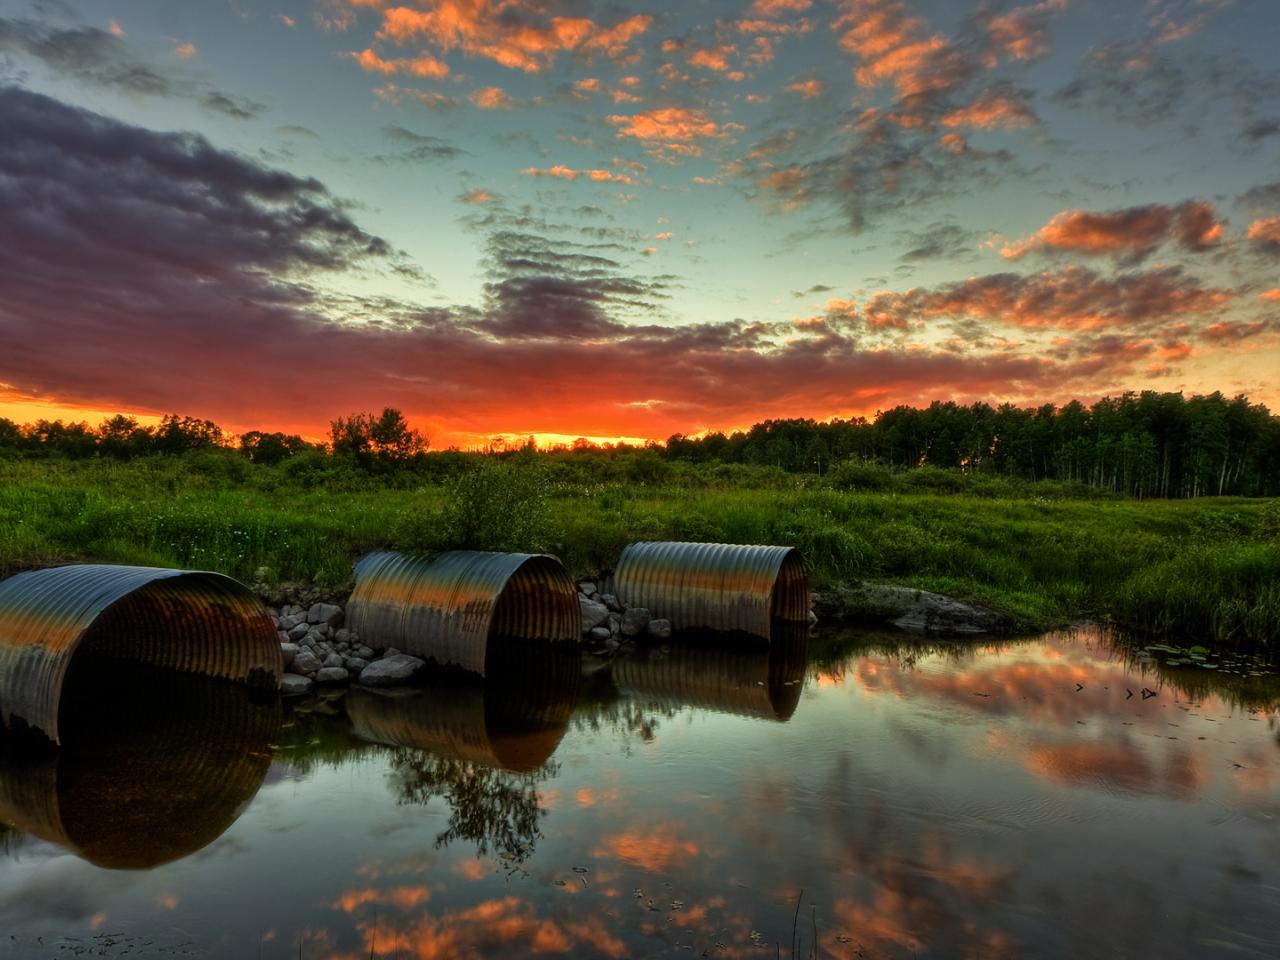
(764,682)
(185,620)
(446,607)
(725,587)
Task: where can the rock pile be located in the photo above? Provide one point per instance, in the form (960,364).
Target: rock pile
(607,624)
(318,650)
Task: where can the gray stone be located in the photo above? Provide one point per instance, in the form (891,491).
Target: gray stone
(283,635)
(364,653)
(306,662)
(813,619)
(594,613)
(634,621)
(390,671)
(600,633)
(389,652)
(288,651)
(660,628)
(907,608)
(587,588)
(298,631)
(318,630)
(289,621)
(333,660)
(327,613)
(333,675)
(355,664)
(615,623)
(291,684)
(611,645)
(611,602)
(344,636)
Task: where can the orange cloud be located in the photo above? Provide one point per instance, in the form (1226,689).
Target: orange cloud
(715,58)
(185,50)
(675,129)
(568,173)
(490,29)
(890,45)
(1265,232)
(478,196)
(490,98)
(992,111)
(776,8)
(1134,232)
(423,66)
(1020,33)
(773,26)
(806,88)
(1273,295)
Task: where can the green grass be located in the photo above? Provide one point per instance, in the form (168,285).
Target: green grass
(1204,568)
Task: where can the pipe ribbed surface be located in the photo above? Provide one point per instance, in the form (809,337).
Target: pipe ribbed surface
(764,683)
(446,607)
(184,620)
(714,586)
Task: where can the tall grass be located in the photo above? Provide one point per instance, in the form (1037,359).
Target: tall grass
(1203,568)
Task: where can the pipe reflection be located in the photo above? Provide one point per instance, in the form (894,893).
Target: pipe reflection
(700,671)
(154,765)
(484,745)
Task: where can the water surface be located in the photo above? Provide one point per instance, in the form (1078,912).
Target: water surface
(1064,796)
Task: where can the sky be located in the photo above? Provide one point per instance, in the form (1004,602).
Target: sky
(613,220)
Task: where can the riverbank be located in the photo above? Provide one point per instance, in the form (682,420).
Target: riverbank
(1205,569)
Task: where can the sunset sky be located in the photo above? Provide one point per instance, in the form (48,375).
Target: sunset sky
(617,220)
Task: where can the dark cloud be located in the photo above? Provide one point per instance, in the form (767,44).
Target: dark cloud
(1264,198)
(99,58)
(941,241)
(237,108)
(416,147)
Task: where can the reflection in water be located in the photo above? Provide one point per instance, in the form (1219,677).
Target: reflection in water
(934,800)
(484,745)
(154,764)
(742,677)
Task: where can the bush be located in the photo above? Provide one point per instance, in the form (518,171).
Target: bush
(497,506)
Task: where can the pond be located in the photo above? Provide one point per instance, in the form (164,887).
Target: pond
(1063,796)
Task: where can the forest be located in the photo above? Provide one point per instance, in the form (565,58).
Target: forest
(1143,445)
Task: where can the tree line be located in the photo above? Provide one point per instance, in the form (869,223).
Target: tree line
(1139,444)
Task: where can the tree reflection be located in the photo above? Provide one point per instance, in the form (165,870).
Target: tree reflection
(497,810)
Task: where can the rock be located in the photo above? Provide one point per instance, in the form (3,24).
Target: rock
(910,609)
(634,621)
(318,630)
(326,613)
(288,651)
(333,660)
(594,613)
(587,588)
(813,619)
(600,633)
(289,621)
(611,602)
(660,628)
(364,652)
(355,664)
(291,685)
(344,636)
(615,623)
(297,632)
(283,635)
(611,645)
(333,675)
(390,671)
(306,662)
(389,652)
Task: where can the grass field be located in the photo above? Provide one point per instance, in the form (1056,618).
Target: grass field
(1207,568)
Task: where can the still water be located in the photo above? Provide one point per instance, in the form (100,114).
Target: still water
(1065,796)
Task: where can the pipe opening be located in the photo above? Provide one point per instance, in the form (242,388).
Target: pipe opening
(187,624)
(538,602)
(791,590)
